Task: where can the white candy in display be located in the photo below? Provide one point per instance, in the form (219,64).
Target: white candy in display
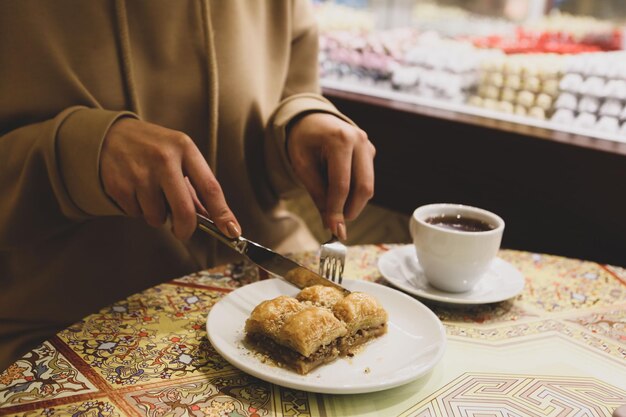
(620,90)
(451,86)
(575,65)
(613,72)
(405,77)
(563,116)
(598,68)
(608,124)
(538,85)
(604,65)
(611,88)
(426,91)
(588,105)
(620,68)
(428,78)
(611,107)
(446,69)
(571,83)
(567,101)
(469,80)
(585,120)
(593,86)
(456,98)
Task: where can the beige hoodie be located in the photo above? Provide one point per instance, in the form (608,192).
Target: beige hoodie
(229,73)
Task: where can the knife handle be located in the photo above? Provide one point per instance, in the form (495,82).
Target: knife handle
(207,225)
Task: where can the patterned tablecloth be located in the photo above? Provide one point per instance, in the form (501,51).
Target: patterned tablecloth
(558,349)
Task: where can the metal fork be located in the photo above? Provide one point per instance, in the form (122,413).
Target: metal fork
(332,260)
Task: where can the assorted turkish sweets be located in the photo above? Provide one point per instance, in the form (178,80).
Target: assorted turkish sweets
(403,60)
(440,68)
(555,68)
(316,327)
(363,58)
(522,84)
(593,92)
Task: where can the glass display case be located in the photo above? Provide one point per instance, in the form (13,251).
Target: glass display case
(553,64)
(517,106)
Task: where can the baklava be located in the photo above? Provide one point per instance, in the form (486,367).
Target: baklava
(316,327)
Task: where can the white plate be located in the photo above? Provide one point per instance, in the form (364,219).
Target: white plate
(413,344)
(401,268)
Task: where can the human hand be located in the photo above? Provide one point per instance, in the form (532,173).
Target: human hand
(335,162)
(149,170)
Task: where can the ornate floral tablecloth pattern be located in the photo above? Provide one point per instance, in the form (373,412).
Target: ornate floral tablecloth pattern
(558,349)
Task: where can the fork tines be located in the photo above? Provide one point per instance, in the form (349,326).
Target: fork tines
(332,269)
(332,260)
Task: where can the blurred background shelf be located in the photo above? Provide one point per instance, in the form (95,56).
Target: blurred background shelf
(559,193)
(517,106)
(547,129)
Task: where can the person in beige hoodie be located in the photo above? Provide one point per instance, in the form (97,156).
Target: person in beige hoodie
(120,119)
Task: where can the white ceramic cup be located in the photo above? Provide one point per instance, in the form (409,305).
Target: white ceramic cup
(454,260)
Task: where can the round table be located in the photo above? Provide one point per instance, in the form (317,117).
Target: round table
(557,349)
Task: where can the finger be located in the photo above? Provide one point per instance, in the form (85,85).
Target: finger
(152,203)
(127,201)
(362,189)
(180,203)
(132,208)
(210,194)
(309,174)
(194,196)
(339,172)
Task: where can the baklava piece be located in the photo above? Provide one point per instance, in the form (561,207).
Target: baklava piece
(316,327)
(364,317)
(321,296)
(301,340)
(269,317)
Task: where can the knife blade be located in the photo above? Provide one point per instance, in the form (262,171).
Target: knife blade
(268,260)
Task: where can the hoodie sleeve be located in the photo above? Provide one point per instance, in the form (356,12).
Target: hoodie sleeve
(49,174)
(301,94)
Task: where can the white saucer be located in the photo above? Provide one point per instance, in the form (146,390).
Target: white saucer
(400,267)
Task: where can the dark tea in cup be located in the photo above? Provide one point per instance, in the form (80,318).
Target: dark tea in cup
(460,223)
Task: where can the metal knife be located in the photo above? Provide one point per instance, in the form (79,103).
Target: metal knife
(267,259)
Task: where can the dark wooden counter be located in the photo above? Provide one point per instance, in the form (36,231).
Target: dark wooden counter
(558,193)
